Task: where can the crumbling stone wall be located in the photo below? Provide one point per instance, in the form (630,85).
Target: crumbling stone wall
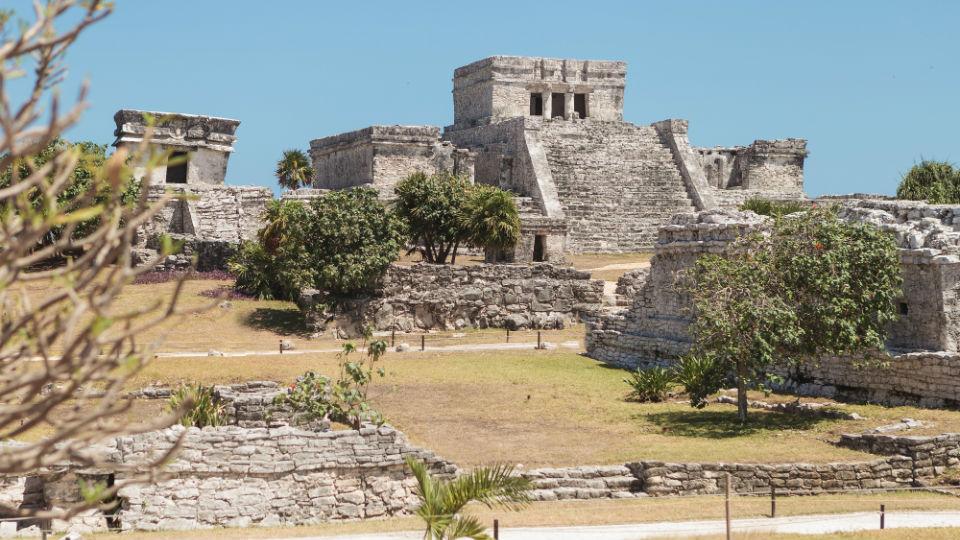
(381,156)
(425,296)
(931,454)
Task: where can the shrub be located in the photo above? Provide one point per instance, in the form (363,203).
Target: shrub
(432,208)
(650,384)
(491,218)
(774,209)
(699,376)
(202,408)
(317,397)
(936,182)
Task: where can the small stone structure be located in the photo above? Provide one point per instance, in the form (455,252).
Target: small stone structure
(236,477)
(426,296)
(207,216)
(654,328)
(381,156)
(552,132)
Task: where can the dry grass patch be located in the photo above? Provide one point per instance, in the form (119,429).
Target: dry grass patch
(608,512)
(554,408)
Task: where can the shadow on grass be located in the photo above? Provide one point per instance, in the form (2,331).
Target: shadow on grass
(722,424)
(283,321)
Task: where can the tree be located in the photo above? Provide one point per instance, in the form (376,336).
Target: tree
(936,182)
(491,219)
(294,170)
(432,208)
(810,285)
(63,340)
(442,501)
(340,243)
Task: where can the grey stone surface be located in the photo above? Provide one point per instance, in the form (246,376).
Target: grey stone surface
(425,297)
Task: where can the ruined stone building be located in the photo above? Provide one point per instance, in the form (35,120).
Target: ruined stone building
(653,327)
(209,216)
(552,132)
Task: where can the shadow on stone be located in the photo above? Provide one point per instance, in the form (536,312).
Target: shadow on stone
(286,322)
(722,424)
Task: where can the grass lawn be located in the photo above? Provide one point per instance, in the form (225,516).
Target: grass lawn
(607,512)
(550,408)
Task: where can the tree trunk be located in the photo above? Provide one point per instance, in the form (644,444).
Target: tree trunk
(453,254)
(741,392)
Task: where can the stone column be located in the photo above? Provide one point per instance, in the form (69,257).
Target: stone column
(569,114)
(547,104)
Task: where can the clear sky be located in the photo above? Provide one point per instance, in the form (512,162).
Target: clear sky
(873,85)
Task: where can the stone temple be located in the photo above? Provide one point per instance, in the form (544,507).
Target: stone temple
(552,132)
(210,217)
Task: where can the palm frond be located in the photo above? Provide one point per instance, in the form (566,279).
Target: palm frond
(467,527)
(489,486)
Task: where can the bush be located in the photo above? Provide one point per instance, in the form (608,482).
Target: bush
(491,218)
(650,384)
(202,408)
(774,209)
(699,376)
(341,244)
(936,182)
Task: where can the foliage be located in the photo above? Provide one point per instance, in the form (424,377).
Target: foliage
(650,384)
(775,209)
(316,397)
(67,316)
(432,208)
(936,182)
(442,501)
(294,170)
(490,218)
(811,285)
(197,406)
(700,376)
(341,243)
(86,184)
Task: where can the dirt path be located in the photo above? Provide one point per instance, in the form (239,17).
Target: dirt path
(811,524)
(414,348)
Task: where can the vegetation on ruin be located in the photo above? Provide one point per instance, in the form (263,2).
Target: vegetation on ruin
(774,209)
(67,343)
(317,397)
(936,182)
(443,212)
(442,501)
(811,285)
(294,170)
(196,406)
(340,243)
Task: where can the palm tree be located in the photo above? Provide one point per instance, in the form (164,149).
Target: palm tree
(294,170)
(441,501)
(492,219)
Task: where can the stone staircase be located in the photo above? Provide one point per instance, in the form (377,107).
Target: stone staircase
(617,183)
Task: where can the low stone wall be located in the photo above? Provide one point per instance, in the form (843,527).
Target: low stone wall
(925,379)
(236,477)
(630,284)
(930,454)
(426,296)
(608,482)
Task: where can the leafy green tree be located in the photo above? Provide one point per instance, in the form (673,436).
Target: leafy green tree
(442,501)
(294,170)
(936,182)
(87,183)
(491,219)
(349,240)
(340,243)
(811,285)
(432,208)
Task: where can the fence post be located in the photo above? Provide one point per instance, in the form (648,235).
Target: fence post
(538,340)
(773,501)
(393,337)
(496,529)
(508,335)
(423,342)
(281,346)
(726,489)
(883,515)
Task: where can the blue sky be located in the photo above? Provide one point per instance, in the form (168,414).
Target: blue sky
(873,85)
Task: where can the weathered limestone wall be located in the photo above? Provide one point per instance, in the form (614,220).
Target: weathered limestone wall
(381,156)
(499,87)
(931,455)
(774,165)
(425,296)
